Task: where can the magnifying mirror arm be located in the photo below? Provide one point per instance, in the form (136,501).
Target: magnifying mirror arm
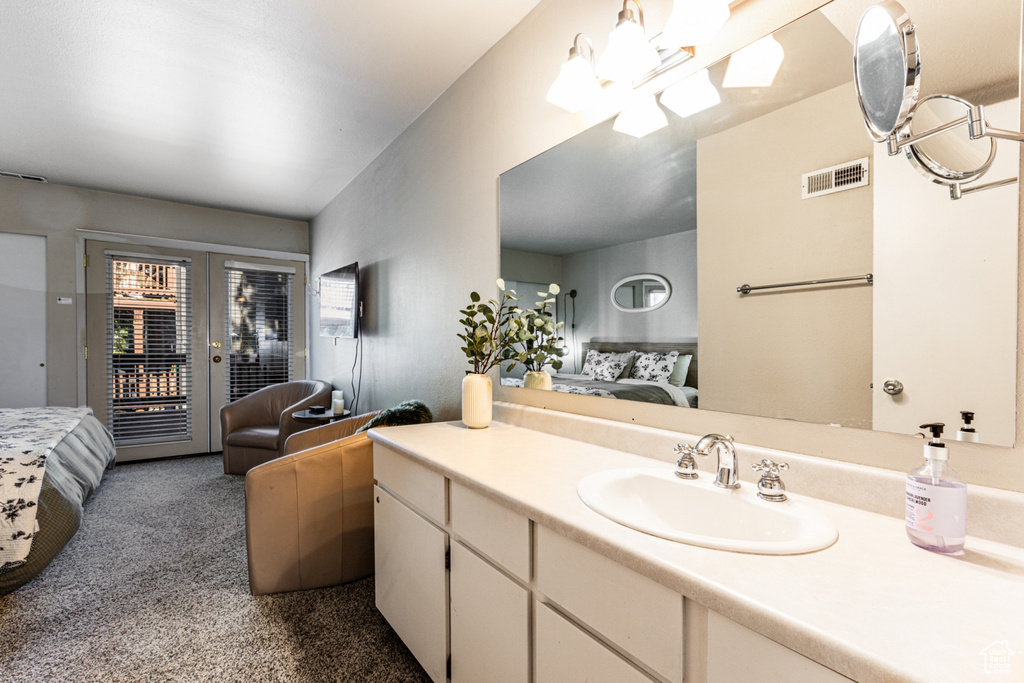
(977,128)
(957,190)
(896,143)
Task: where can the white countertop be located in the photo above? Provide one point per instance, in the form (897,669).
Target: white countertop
(873,606)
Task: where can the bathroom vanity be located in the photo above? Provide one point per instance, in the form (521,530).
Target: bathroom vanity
(490,567)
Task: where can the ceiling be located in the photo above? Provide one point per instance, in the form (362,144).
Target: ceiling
(253,105)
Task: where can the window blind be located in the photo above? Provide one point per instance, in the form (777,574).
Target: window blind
(259,328)
(149,355)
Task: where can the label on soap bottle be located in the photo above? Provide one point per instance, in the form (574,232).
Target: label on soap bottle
(938,510)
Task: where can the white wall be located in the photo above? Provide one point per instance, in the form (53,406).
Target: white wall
(422,220)
(945,296)
(57,212)
(803,353)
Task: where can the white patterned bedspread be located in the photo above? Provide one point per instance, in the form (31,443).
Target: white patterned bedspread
(27,436)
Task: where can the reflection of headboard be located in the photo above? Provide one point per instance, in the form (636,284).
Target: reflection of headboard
(683,348)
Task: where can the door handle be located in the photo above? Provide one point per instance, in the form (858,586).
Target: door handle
(216,345)
(892,387)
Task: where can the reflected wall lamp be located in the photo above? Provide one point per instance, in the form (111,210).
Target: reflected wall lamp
(641,118)
(693,94)
(755,65)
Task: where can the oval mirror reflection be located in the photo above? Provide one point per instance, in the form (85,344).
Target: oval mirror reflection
(886,68)
(640,293)
(951,156)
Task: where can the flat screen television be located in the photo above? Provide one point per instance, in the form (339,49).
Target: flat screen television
(339,302)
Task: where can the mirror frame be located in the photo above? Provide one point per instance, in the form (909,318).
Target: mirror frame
(641,276)
(933,169)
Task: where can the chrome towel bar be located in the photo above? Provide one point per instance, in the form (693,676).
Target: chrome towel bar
(747,289)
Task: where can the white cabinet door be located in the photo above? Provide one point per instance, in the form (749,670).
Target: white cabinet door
(738,655)
(565,653)
(490,622)
(412,582)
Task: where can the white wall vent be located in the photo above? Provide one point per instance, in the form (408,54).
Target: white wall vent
(22,176)
(835,178)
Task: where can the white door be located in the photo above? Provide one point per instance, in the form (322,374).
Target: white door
(147,375)
(257,328)
(23,302)
(945,296)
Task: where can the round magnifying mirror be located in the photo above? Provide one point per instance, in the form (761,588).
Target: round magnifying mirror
(952,156)
(886,68)
(641,293)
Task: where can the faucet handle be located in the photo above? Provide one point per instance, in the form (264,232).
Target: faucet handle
(770,487)
(687,466)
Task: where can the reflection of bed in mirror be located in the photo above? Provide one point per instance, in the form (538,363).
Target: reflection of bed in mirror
(679,388)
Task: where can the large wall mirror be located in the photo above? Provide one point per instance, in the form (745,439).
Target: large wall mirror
(716,200)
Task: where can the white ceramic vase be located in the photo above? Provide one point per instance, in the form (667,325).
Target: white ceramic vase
(476,401)
(537,379)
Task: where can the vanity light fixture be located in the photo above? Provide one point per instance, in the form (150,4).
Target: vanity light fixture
(641,118)
(694,22)
(576,86)
(693,94)
(755,65)
(629,54)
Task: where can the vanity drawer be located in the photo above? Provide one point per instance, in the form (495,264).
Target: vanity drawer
(565,653)
(421,488)
(637,615)
(500,534)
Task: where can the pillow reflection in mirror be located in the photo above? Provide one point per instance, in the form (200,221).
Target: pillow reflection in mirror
(607,367)
(680,370)
(653,366)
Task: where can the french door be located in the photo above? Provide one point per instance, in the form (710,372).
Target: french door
(173,335)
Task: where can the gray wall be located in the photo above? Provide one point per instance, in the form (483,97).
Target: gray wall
(57,211)
(422,220)
(593,273)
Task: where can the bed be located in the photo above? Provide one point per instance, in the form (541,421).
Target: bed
(680,390)
(72,450)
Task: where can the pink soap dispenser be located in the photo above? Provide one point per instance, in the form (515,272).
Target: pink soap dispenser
(936,499)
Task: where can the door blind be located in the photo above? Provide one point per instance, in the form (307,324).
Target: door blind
(149,356)
(259,329)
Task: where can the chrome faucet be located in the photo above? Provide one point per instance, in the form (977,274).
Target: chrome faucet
(727,477)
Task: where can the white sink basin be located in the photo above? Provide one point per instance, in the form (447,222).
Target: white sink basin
(695,511)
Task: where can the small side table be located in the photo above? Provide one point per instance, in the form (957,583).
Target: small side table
(320,418)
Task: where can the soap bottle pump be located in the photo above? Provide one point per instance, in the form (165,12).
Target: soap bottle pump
(936,515)
(967,432)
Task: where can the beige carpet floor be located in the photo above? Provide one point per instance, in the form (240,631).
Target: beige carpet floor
(154,587)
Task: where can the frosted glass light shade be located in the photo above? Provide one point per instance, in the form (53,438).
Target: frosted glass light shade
(576,87)
(629,55)
(755,65)
(694,22)
(692,95)
(642,118)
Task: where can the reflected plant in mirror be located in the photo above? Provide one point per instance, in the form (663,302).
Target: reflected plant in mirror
(534,339)
(783,184)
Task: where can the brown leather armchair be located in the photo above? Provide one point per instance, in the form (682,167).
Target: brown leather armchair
(254,428)
(309,514)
